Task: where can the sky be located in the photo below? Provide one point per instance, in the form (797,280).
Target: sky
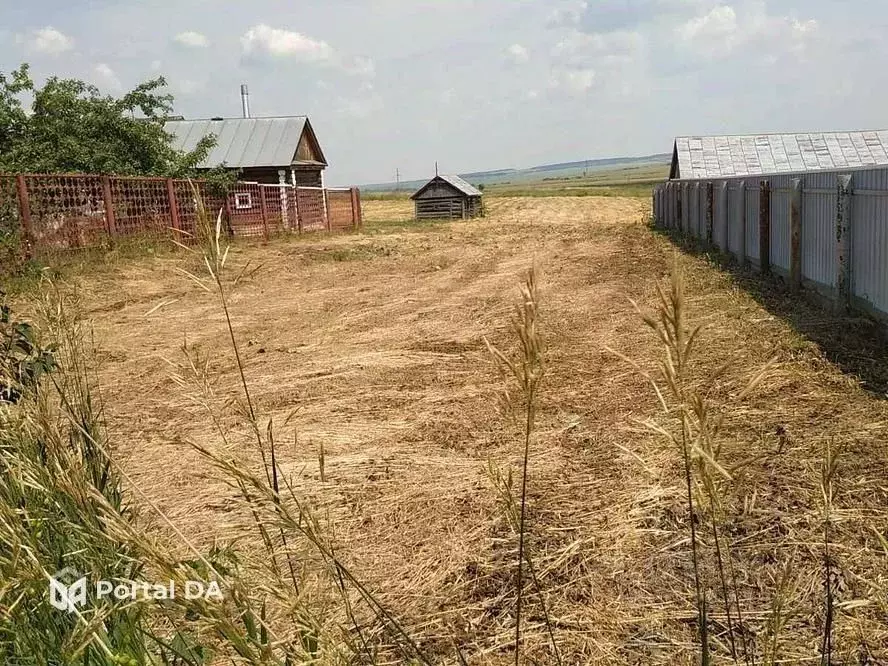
(479,84)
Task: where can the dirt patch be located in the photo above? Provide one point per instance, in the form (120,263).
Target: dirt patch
(378,341)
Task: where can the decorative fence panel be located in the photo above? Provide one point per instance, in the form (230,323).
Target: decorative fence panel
(311,204)
(834,242)
(51,211)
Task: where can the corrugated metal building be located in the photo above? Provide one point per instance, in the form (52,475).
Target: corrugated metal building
(810,207)
(704,157)
(446,196)
(264,150)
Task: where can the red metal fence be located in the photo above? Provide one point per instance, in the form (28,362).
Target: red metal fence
(75,211)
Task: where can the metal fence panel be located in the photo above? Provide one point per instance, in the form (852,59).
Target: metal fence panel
(819,236)
(753,190)
(780,241)
(735,217)
(720,220)
(869,248)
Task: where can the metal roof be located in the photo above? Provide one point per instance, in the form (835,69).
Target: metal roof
(455,182)
(765,154)
(461,185)
(242,142)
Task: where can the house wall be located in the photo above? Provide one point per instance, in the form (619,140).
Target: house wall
(269,176)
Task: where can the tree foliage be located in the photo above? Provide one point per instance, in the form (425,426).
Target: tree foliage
(71,127)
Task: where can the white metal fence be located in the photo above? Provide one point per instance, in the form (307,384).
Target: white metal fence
(827,231)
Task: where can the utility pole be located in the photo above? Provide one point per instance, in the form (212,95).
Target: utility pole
(397,180)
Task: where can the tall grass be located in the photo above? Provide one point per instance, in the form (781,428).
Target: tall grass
(526,370)
(693,427)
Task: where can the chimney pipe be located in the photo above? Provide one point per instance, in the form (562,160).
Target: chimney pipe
(245,100)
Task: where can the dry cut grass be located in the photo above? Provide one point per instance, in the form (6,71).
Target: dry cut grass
(377,341)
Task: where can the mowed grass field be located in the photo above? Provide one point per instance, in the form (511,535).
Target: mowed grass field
(372,348)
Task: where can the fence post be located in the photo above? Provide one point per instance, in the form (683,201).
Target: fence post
(765,227)
(795,236)
(230,225)
(108,201)
(298,212)
(282,181)
(710,212)
(843,243)
(744,221)
(24,213)
(326,210)
(723,216)
(263,206)
(357,217)
(174,205)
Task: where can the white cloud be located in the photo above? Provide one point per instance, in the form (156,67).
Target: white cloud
(725,29)
(569,14)
(192,39)
(262,40)
(518,54)
(578,44)
(50,41)
(573,81)
(720,23)
(107,76)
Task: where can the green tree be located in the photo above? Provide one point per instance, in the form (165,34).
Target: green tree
(72,127)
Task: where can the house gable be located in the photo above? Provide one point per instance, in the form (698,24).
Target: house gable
(308,149)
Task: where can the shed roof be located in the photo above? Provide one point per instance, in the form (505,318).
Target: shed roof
(455,182)
(243,142)
(764,154)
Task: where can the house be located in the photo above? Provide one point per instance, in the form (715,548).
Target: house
(449,197)
(263,150)
(714,157)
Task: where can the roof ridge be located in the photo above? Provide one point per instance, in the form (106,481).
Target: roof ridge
(220,119)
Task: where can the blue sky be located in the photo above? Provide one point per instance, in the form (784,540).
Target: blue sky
(480,84)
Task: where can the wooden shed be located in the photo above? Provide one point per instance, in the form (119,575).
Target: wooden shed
(447,197)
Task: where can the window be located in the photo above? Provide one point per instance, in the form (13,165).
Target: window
(243,200)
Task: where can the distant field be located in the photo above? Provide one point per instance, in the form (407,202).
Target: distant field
(631,181)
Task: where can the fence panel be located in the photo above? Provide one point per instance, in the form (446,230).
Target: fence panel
(310,204)
(781,197)
(76,210)
(276,207)
(66,211)
(869,247)
(819,235)
(339,209)
(735,217)
(245,208)
(141,205)
(753,192)
(720,216)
